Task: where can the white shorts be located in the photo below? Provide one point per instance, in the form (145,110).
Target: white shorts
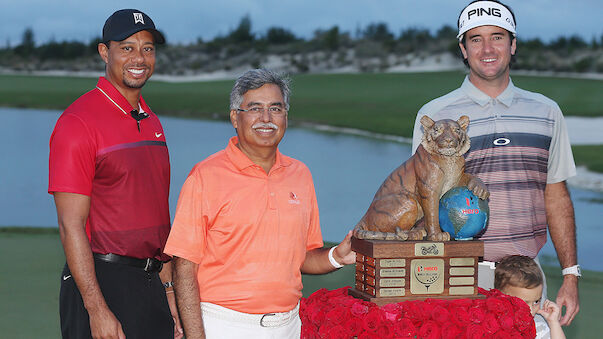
(221,322)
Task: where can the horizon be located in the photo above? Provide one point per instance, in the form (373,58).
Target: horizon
(208,19)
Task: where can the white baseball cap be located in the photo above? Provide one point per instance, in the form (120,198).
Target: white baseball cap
(485,13)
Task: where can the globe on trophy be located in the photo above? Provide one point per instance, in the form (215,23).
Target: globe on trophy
(462,213)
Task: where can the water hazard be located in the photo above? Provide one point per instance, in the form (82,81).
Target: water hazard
(347,170)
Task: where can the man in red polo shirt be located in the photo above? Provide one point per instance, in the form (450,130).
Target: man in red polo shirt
(110,175)
(247,226)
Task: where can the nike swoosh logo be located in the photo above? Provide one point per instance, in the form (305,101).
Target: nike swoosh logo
(65,277)
(157,135)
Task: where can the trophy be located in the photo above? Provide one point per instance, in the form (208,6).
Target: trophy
(402,253)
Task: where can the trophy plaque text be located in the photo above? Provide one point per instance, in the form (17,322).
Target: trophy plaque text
(392,271)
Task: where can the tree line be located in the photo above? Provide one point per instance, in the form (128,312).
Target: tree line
(374,40)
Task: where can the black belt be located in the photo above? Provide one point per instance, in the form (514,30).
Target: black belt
(148,264)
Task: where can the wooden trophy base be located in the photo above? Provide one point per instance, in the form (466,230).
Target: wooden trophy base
(393,271)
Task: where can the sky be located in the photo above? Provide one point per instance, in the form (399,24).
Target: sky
(186,21)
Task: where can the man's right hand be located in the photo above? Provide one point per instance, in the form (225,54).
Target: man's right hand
(104,325)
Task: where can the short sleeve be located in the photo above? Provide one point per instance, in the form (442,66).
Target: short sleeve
(187,237)
(561,160)
(314,232)
(71,164)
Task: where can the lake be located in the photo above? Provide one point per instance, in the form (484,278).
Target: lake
(347,171)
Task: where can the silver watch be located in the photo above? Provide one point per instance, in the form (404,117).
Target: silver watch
(575,270)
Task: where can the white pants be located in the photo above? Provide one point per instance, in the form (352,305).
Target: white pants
(485,277)
(223,323)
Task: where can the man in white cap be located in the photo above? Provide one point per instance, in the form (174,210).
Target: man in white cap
(519,148)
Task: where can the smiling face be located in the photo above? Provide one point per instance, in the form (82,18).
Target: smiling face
(488,50)
(129,63)
(530,295)
(260,131)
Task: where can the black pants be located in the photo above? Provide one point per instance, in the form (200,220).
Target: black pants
(136,298)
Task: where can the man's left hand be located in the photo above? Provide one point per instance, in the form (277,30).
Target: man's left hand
(178,331)
(568,297)
(343,254)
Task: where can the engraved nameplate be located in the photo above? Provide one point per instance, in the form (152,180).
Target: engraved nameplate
(462,261)
(400,282)
(455,281)
(462,271)
(392,262)
(429,249)
(392,272)
(391,292)
(464,290)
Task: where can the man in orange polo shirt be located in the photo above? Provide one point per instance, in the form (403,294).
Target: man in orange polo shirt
(247,226)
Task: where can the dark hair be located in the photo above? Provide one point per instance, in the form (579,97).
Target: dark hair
(257,78)
(519,271)
(463,41)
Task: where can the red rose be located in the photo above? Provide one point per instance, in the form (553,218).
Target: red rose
(460,316)
(338,332)
(506,321)
(475,331)
(430,330)
(476,314)
(309,332)
(517,303)
(323,331)
(530,331)
(502,335)
(491,324)
(354,326)
(372,319)
(392,312)
(368,335)
(463,303)
(337,315)
(523,319)
(385,331)
(317,315)
(450,331)
(440,314)
(405,329)
(359,309)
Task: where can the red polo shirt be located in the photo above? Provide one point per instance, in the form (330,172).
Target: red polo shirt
(97,150)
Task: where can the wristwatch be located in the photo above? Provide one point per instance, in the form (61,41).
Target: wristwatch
(575,270)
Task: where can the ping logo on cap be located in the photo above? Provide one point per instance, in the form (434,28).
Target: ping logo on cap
(485,13)
(138,18)
(482,11)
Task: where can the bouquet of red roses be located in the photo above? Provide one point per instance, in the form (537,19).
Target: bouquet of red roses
(335,314)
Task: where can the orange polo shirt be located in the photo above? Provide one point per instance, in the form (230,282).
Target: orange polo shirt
(248,231)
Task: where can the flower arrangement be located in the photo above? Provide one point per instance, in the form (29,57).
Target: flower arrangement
(335,314)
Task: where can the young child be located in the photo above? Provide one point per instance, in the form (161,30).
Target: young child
(520,276)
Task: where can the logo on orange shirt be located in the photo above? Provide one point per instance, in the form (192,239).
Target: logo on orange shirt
(293,198)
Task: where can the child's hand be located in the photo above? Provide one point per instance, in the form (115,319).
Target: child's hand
(550,311)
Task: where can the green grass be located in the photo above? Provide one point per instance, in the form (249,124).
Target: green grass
(382,103)
(590,156)
(29,287)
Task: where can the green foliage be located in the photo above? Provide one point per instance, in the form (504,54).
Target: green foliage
(243,32)
(328,39)
(377,32)
(589,156)
(28,45)
(279,36)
